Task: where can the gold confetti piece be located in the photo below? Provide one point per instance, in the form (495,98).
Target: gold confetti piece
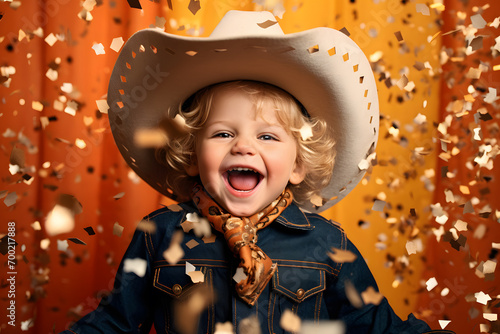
(490,316)
(80,143)
(267,24)
(491,96)
(36,226)
(174,207)
(489,267)
(77,241)
(50,39)
(411,247)
(192,243)
(71,108)
(150,138)
(464,190)
(119,195)
(314,49)
(194,6)
(45,243)
(371,296)
(435,36)
(174,253)
(399,36)
(210,239)
(62,245)
(137,266)
(450,198)
(306,131)
(52,74)
(468,208)
(352,294)
(480,231)
(316,200)
(474,73)
(147,226)
(103,106)
(239,275)
(21,35)
(496,67)
(98,48)
(378,205)
(460,225)
(495,245)
(224,328)
(477,21)
(482,298)
(423,9)
(341,256)
(187,226)
(444,323)
(36,105)
(118,229)
(116,44)
(431,283)
(290,322)
(59,220)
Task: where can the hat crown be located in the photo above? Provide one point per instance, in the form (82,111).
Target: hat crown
(246,23)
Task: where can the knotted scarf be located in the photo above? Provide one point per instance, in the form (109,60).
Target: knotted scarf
(241,236)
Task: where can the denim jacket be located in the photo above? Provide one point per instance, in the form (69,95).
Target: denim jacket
(307,281)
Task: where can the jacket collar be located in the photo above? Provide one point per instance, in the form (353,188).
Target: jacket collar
(295,218)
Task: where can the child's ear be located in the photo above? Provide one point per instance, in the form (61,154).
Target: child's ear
(298,173)
(192,169)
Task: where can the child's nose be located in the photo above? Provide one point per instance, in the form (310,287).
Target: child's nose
(243,146)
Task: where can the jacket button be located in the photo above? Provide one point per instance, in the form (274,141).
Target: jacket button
(177,289)
(300,293)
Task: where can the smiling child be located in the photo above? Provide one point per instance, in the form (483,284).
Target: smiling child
(275,128)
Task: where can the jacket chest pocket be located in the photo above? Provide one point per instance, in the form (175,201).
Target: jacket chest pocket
(298,289)
(187,305)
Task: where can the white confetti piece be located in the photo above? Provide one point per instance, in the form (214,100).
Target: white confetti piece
(99,49)
(490,316)
(59,220)
(239,275)
(306,131)
(423,9)
(51,39)
(431,283)
(117,229)
(62,245)
(444,323)
(116,44)
(482,298)
(460,225)
(197,276)
(137,266)
(477,21)
(103,106)
(378,205)
(290,321)
(189,268)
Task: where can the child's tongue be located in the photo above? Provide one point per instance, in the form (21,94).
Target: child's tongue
(243,180)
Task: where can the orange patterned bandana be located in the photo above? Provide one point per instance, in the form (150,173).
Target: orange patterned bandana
(241,236)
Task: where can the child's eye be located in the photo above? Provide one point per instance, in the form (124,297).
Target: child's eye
(222,135)
(268,137)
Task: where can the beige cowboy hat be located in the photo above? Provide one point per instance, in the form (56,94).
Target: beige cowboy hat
(322,68)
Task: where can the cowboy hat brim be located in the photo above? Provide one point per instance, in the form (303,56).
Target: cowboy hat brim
(322,68)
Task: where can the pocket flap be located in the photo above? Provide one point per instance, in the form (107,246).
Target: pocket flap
(298,283)
(173,280)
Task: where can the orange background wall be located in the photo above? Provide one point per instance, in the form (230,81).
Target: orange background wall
(54,288)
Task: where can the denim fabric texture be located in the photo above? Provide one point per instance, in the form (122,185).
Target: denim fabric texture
(307,282)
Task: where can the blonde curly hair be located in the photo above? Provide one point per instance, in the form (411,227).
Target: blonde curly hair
(316,154)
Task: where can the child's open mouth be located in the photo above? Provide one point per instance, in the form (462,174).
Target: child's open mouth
(242,178)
